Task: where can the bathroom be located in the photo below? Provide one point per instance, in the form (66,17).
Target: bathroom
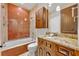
(21,24)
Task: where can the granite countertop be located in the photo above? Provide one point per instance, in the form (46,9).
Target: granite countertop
(67,42)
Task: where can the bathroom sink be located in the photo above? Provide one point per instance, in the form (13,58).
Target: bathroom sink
(48,37)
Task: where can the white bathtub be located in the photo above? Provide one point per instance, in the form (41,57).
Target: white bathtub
(15,43)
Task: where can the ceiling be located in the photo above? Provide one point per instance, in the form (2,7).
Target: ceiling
(28,6)
(31,6)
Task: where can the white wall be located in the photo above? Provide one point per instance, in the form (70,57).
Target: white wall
(54,23)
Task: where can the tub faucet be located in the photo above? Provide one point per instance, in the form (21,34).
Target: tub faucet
(1,46)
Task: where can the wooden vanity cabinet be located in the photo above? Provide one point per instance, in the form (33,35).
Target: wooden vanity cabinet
(69,19)
(49,48)
(48,52)
(76,53)
(42,18)
(63,51)
(45,48)
(40,49)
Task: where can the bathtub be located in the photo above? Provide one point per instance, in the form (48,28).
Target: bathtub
(15,43)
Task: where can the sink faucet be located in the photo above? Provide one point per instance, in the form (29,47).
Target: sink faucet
(55,34)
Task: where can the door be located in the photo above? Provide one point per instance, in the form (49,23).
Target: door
(18,22)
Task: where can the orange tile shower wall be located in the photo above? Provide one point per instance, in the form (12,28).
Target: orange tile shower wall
(18,22)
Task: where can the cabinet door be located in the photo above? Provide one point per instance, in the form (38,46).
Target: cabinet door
(68,22)
(76,53)
(42,18)
(39,15)
(48,53)
(40,51)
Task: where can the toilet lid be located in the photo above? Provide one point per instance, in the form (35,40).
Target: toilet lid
(32,45)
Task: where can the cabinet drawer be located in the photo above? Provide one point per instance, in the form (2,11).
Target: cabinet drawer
(49,52)
(40,41)
(64,51)
(59,54)
(50,45)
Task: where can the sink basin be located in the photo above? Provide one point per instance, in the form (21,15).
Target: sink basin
(48,37)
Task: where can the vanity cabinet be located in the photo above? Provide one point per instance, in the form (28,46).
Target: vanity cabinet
(40,50)
(42,18)
(76,53)
(45,48)
(49,48)
(63,51)
(69,19)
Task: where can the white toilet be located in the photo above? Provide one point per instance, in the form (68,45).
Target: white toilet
(31,49)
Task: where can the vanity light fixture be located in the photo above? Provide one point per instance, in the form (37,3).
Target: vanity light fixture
(58,8)
(72,12)
(50,4)
(21,3)
(74,19)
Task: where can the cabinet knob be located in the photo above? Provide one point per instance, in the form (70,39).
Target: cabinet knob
(50,45)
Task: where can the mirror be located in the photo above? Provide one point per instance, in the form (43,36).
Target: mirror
(69,19)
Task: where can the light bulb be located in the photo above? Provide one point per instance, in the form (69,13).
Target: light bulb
(50,4)
(58,8)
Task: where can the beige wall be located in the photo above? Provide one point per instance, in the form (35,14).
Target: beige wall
(78,25)
(3,23)
(0,25)
(55,22)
